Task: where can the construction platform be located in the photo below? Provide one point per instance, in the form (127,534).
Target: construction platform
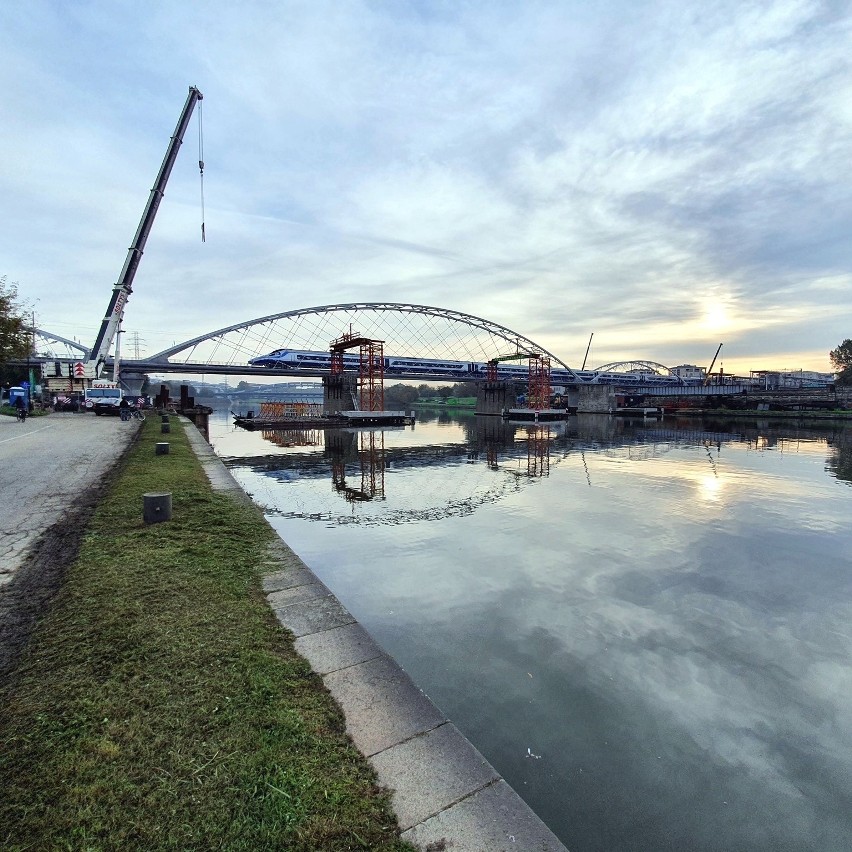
(637,411)
(339,420)
(537,415)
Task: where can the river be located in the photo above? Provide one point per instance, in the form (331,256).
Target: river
(646,627)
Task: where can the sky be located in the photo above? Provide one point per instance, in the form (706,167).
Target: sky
(667,176)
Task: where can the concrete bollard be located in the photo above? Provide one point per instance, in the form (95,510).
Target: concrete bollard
(165,428)
(157,507)
(162,448)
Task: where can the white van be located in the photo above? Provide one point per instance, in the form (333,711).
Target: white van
(103,397)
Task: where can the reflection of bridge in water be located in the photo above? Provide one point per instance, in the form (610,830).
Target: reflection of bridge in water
(357,462)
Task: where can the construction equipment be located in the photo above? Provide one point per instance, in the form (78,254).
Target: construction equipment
(587,351)
(491,366)
(124,287)
(538,380)
(710,368)
(371,370)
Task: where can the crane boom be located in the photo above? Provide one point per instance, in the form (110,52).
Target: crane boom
(712,363)
(124,287)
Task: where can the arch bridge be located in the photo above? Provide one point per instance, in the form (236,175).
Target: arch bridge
(407,331)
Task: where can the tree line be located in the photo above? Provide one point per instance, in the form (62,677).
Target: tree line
(841,360)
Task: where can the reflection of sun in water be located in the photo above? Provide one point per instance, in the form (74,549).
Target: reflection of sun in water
(710,488)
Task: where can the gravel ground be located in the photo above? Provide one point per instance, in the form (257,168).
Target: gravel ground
(53,472)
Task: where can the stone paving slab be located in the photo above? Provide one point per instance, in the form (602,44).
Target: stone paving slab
(314,615)
(495,819)
(297,594)
(383,706)
(431,772)
(332,650)
(287,579)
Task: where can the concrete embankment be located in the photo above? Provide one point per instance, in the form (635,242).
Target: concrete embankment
(446,795)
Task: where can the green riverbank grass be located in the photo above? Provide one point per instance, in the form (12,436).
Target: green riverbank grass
(161,706)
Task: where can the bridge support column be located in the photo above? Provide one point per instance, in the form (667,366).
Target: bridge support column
(492,398)
(595,399)
(338,393)
(132,381)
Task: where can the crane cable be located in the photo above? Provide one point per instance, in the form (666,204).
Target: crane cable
(201,163)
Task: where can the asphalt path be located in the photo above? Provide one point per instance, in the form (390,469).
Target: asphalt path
(47,464)
(53,472)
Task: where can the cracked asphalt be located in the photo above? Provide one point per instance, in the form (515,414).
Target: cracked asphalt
(53,471)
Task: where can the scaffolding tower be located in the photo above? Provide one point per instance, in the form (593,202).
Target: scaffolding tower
(371,368)
(538,397)
(538,377)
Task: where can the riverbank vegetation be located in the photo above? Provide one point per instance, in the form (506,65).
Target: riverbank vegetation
(159,704)
(841,360)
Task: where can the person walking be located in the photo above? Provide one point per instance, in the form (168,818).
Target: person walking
(124,408)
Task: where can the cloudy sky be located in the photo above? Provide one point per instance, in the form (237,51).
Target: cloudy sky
(665,175)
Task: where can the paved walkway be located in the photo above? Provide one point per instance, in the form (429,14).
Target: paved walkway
(47,464)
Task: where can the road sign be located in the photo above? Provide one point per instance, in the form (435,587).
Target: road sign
(79,370)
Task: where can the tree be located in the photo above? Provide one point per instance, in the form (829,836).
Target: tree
(14,337)
(841,360)
(400,396)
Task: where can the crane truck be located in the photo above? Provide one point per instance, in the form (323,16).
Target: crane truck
(124,287)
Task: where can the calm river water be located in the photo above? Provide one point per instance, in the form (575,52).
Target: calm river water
(645,627)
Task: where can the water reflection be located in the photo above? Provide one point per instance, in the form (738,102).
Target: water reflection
(368,450)
(659,610)
(840,460)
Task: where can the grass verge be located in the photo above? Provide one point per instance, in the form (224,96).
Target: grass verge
(159,704)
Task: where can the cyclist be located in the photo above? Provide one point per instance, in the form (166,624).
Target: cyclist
(21,408)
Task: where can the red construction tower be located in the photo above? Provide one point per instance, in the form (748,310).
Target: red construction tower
(371,368)
(538,396)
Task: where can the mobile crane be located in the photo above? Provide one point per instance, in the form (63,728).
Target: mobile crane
(124,287)
(709,374)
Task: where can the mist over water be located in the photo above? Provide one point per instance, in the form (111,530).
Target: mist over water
(645,627)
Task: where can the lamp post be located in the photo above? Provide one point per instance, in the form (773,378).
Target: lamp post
(32,370)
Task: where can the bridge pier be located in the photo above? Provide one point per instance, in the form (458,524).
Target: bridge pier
(493,398)
(338,393)
(595,399)
(132,381)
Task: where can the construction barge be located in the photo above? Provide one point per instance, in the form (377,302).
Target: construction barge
(339,420)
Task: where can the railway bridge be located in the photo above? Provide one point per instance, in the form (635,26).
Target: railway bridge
(430,342)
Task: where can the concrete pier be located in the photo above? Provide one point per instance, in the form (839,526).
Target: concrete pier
(338,393)
(493,398)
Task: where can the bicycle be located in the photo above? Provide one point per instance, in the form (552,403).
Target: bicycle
(138,413)
(20,415)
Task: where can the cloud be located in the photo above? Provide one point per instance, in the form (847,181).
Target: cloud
(557,168)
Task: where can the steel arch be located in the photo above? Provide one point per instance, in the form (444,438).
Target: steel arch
(495,331)
(652,366)
(49,337)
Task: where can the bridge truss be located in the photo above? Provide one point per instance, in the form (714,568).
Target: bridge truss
(49,345)
(651,367)
(408,330)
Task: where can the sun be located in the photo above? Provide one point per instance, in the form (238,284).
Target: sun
(715,317)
